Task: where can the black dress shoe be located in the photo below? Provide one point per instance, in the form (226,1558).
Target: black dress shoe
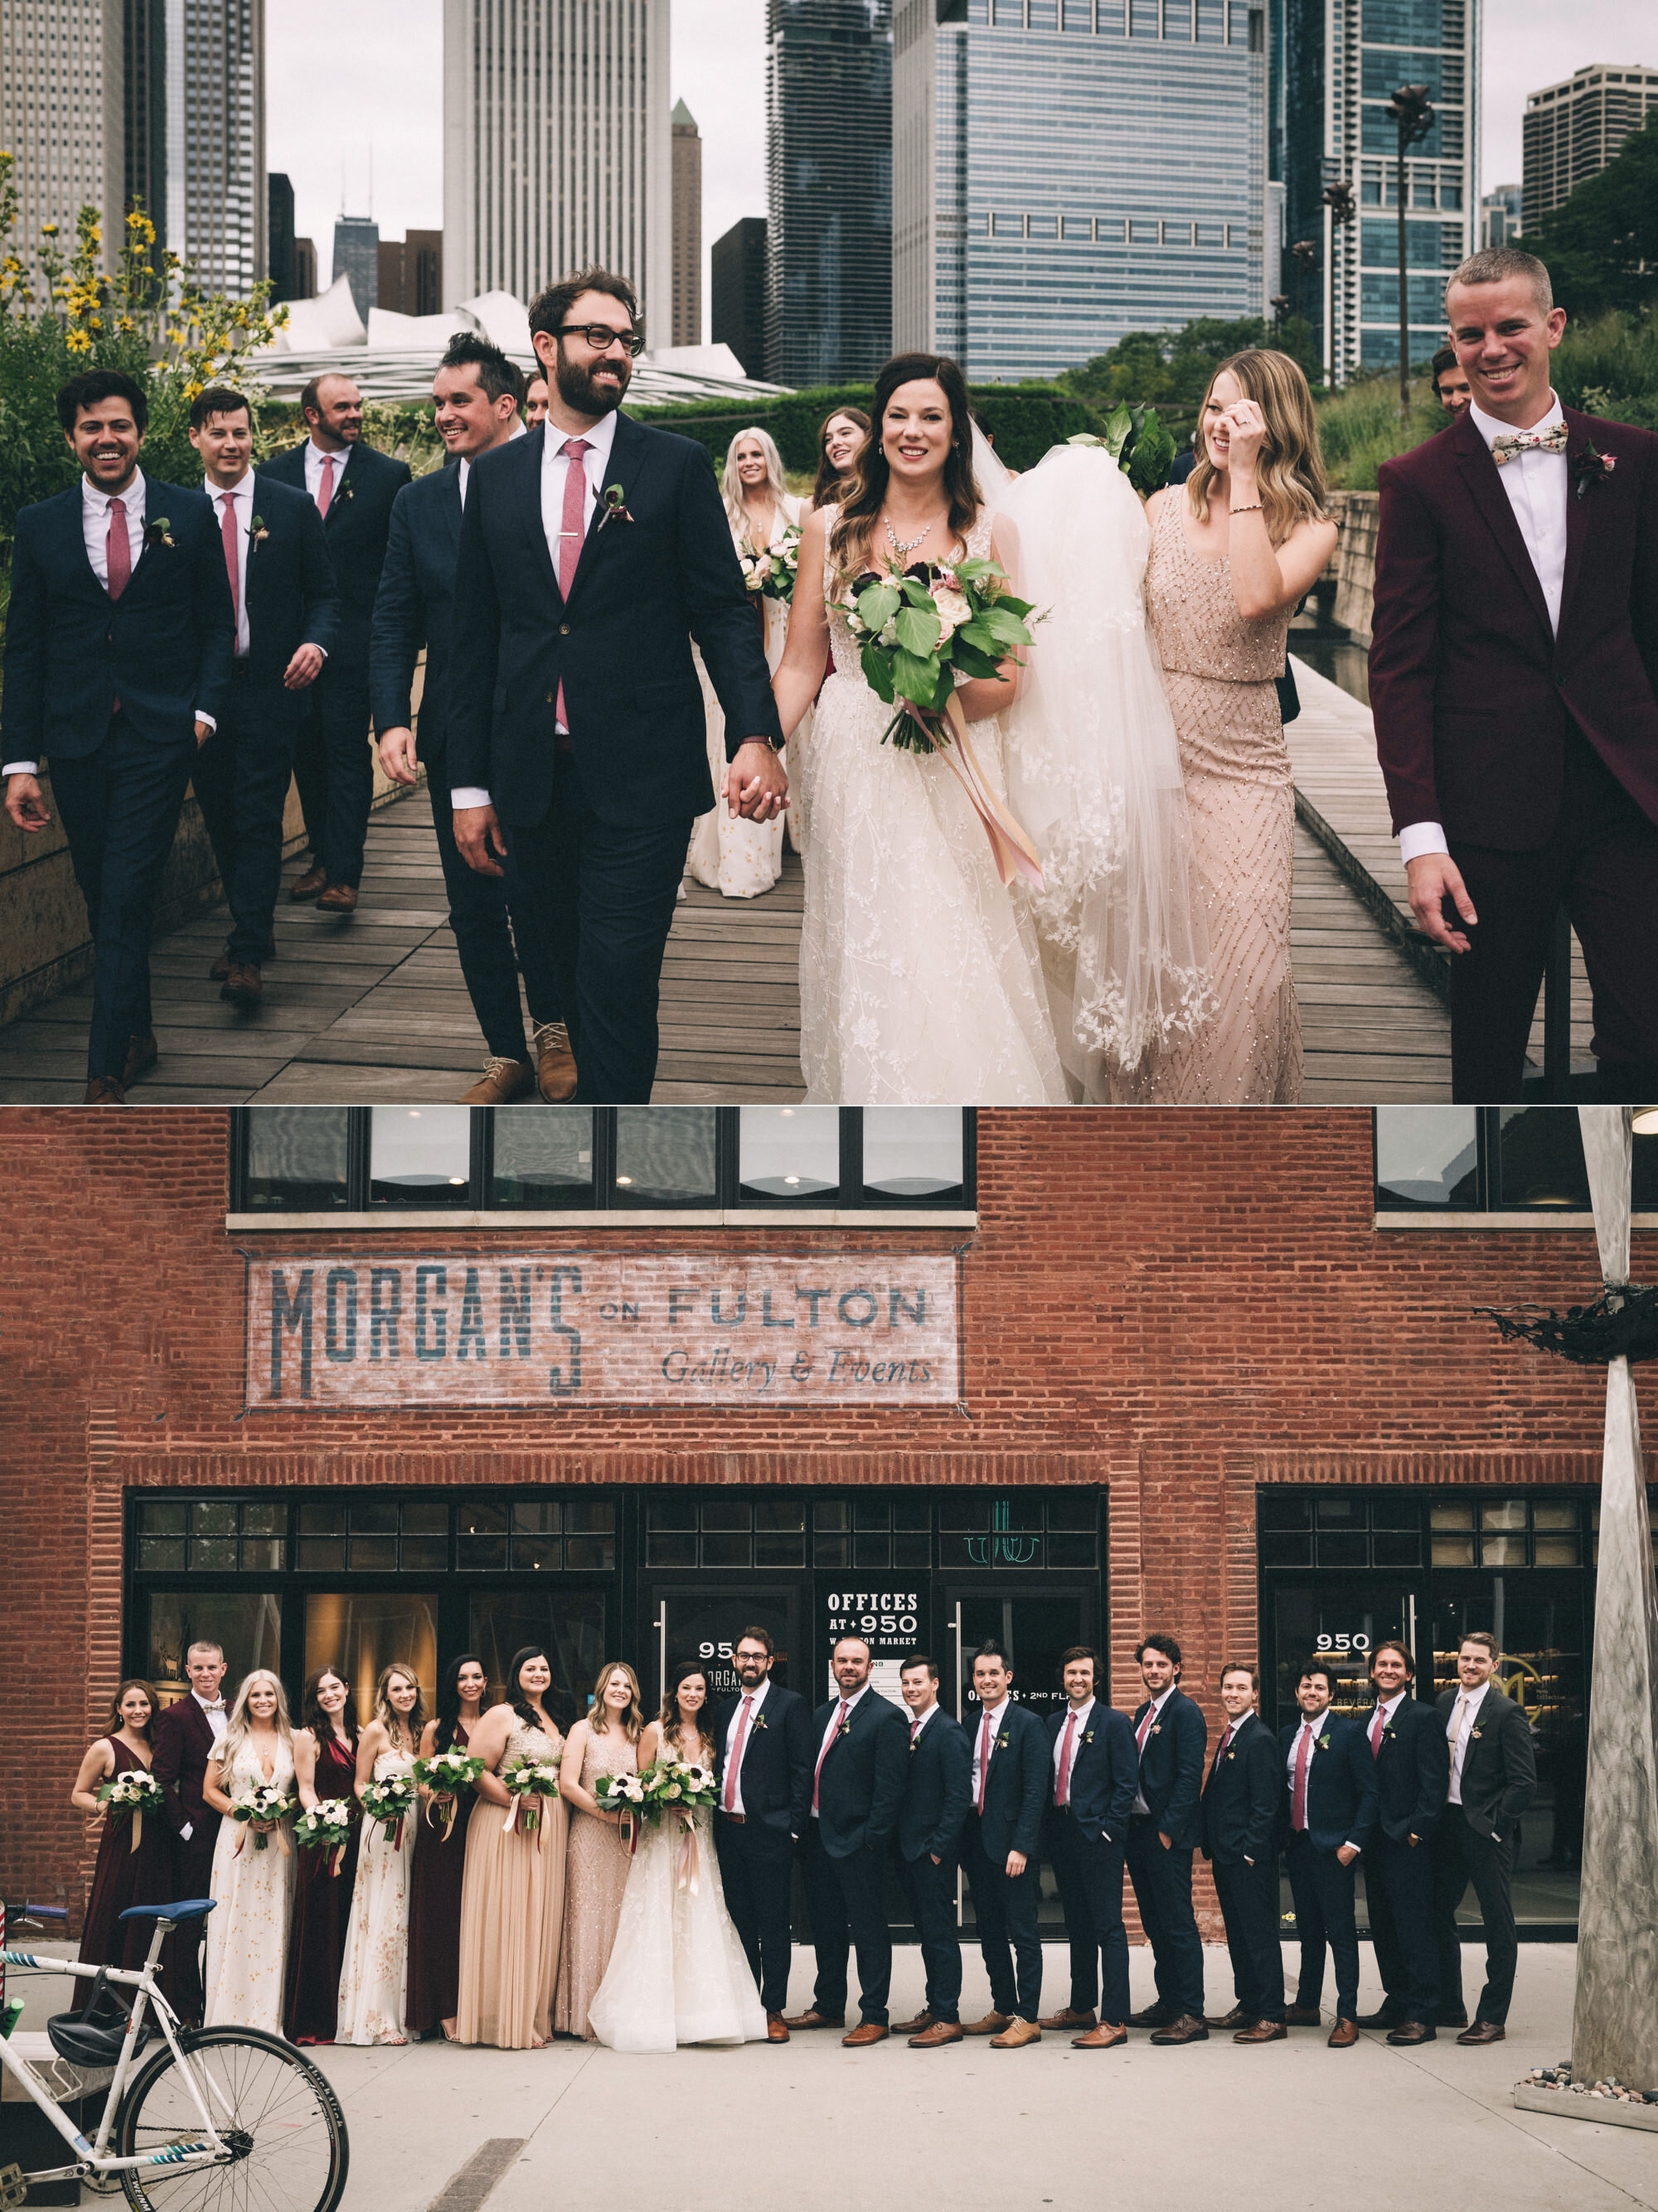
(1414,2031)
(1450,2019)
(1154,2016)
(1185,2028)
(1387,2017)
(1483,2031)
(1303,2016)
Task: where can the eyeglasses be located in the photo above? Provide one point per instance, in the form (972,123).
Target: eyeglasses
(602,338)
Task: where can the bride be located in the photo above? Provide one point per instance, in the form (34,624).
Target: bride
(677,1971)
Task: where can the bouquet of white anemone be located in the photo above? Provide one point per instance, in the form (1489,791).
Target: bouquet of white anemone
(530,1782)
(326,1826)
(129,1796)
(263,1804)
(446,1774)
(770,570)
(390,1801)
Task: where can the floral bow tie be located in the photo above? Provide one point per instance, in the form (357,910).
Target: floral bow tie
(1551,441)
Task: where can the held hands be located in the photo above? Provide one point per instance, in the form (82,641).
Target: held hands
(397,755)
(756,786)
(480,839)
(25,807)
(1433,878)
(304,668)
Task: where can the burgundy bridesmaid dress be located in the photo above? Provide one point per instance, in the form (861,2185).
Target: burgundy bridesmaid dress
(124,1876)
(435,1917)
(322,1906)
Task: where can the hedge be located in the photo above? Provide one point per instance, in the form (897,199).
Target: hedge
(1023,421)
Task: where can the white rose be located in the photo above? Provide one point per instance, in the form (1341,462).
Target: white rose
(952,610)
(888,632)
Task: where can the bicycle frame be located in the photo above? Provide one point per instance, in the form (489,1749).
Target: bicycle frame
(94,2156)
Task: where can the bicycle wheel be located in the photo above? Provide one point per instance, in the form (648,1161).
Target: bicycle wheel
(274,2108)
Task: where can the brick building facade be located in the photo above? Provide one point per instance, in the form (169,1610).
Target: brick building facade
(1204,1385)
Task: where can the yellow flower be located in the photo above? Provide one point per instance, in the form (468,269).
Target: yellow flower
(79,341)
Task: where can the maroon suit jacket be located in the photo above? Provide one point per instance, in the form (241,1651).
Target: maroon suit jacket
(1473,696)
(184,1745)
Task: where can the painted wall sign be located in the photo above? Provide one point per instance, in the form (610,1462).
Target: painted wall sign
(859,1328)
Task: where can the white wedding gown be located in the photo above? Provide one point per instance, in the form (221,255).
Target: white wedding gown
(373,1974)
(921,983)
(677,1971)
(247,1934)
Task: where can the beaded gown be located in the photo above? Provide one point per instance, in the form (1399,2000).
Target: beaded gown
(512,1911)
(1218,670)
(373,1974)
(322,1909)
(595,1881)
(434,1913)
(247,1934)
(122,1877)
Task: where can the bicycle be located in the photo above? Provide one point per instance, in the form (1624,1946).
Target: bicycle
(215,2116)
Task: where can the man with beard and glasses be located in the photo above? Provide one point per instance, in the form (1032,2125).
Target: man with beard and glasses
(763,1740)
(593,551)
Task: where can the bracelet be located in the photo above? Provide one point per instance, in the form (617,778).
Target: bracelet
(1253,508)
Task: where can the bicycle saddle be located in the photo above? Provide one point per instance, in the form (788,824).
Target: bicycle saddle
(188,1908)
(94,2038)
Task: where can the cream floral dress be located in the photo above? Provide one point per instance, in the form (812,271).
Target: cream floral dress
(373,1975)
(253,1893)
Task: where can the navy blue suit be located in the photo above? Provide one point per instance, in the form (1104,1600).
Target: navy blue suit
(599,821)
(937,1791)
(1086,1842)
(860,1783)
(333,763)
(414,606)
(1014,1794)
(1171,1785)
(108,691)
(757,1851)
(1241,1818)
(1341,1809)
(1479,1841)
(1413,1773)
(243,773)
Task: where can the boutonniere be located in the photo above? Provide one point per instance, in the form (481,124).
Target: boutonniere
(615,506)
(1230,1756)
(1591,468)
(760,1723)
(347,490)
(159,532)
(1320,1743)
(1476,1732)
(1001,1743)
(1157,1728)
(258,532)
(1088,1738)
(845,1728)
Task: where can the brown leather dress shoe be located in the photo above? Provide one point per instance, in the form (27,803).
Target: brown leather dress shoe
(936,2036)
(555,1063)
(1106,2037)
(992,2024)
(803,2020)
(1414,2031)
(775,2030)
(244,986)
(1303,2016)
(338,898)
(1070,2019)
(221,967)
(313,880)
(142,1054)
(104,1090)
(1452,2016)
(1185,2028)
(866,2033)
(1483,2031)
(1264,2031)
(502,1079)
(1236,2018)
(918,2026)
(1154,2016)
(1343,2035)
(1016,2034)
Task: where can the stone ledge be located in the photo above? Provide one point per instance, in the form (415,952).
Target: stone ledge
(1567,2105)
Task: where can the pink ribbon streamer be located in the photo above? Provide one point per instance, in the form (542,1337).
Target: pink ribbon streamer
(690,1866)
(1010,844)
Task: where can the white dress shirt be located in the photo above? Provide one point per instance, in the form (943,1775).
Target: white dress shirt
(1315,1728)
(918,1721)
(1389,1707)
(836,1720)
(1084,1714)
(555,468)
(1157,1705)
(314,457)
(996,1714)
(759,1699)
(1536,483)
(465,465)
(1459,1726)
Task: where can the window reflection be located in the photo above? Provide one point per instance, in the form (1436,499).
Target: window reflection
(419,1155)
(788,1152)
(297,1157)
(543,1156)
(911,1151)
(1541,1159)
(360,1632)
(248,1627)
(569,1628)
(1427,1156)
(665,1156)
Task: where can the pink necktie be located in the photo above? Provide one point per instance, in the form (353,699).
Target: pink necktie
(734,1757)
(1061,1787)
(1219,1749)
(1298,1795)
(325,489)
(983,1759)
(1376,1726)
(915,1730)
(570,547)
(233,565)
(117,551)
(1144,1729)
(840,1718)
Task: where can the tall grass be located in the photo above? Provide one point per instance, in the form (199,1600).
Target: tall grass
(1359,427)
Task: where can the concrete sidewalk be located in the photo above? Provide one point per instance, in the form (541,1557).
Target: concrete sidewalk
(812,2128)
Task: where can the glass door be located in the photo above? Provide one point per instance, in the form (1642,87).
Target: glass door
(1341,1619)
(704,1620)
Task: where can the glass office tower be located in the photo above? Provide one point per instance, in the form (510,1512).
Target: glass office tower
(1343,61)
(829,186)
(1066,171)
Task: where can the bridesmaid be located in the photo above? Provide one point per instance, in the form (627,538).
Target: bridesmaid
(374,1971)
(840,436)
(1232,556)
(607,1742)
(440,1865)
(325,1766)
(247,1936)
(134,1867)
(512,1901)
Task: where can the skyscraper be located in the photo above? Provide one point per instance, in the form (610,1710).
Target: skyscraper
(737,292)
(1343,59)
(829,184)
(687,147)
(1064,173)
(556,145)
(409,273)
(1572,131)
(194,135)
(279,235)
(1499,216)
(60,115)
(356,257)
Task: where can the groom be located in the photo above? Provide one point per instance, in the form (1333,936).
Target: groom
(1513,678)
(592,551)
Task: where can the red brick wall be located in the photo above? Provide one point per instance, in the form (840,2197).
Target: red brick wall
(1177,1306)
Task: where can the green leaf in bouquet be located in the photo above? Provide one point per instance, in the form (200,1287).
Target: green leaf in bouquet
(1152,459)
(877,671)
(1119,424)
(1005,626)
(915,592)
(974,660)
(877,605)
(978,634)
(917,680)
(917,629)
(969,572)
(1085,438)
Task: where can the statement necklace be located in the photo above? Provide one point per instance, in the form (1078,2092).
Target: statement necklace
(902,546)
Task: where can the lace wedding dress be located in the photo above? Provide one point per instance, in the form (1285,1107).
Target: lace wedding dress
(375,1972)
(677,1972)
(920,979)
(247,1935)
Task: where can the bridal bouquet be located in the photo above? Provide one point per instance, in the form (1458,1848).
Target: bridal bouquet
(676,1790)
(770,570)
(390,1802)
(628,1794)
(918,629)
(326,1826)
(530,1782)
(1139,444)
(264,1801)
(446,1775)
(129,1797)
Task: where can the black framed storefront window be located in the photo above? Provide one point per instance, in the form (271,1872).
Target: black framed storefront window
(1491,1159)
(322,1159)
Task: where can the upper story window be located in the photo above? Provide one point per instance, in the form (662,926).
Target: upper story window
(1492,1159)
(387,1160)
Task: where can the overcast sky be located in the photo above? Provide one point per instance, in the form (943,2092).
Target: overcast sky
(333,97)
